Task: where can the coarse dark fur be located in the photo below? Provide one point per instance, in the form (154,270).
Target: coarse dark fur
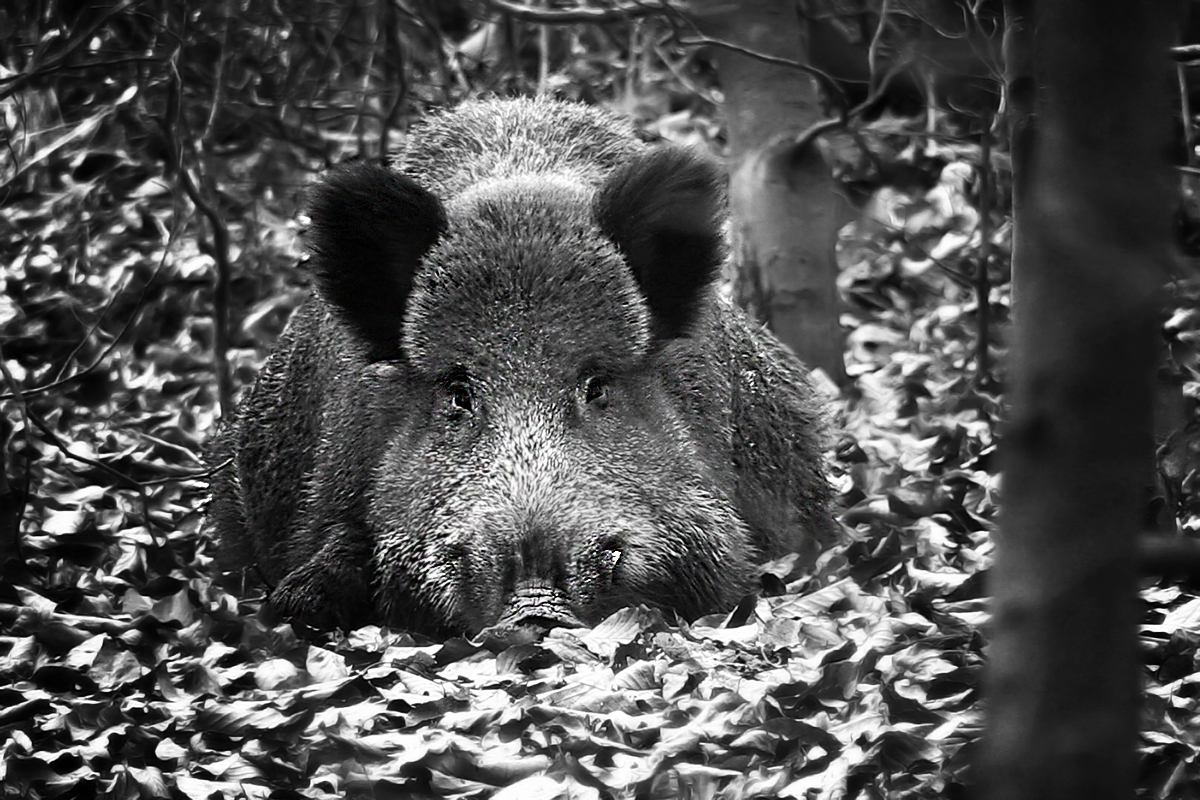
(516,394)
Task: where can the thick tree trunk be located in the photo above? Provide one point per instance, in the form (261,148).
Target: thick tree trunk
(1092,227)
(784,204)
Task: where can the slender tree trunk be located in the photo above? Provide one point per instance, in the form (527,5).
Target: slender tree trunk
(1019,83)
(784,204)
(1092,247)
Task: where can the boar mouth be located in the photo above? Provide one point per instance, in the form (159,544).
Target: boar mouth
(536,605)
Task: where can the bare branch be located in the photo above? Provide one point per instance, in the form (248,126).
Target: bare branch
(221,247)
(983,289)
(1186,53)
(618,12)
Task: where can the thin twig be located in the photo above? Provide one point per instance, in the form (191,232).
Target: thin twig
(220,240)
(873,50)
(696,39)
(983,289)
(1185,114)
(23,410)
(1186,53)
(59,382)
(807,136)
(543,84)
(682,77)
(53,438)
(78,39)
(218,91)
(619,12)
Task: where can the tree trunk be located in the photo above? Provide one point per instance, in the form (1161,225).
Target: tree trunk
(1019,88)
(1092,223)
(784,204)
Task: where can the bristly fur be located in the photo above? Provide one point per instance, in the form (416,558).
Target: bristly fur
(516,394)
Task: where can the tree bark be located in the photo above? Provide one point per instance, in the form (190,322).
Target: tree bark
(1093,233)
(784,204)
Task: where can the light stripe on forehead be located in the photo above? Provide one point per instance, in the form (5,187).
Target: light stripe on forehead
(567,188)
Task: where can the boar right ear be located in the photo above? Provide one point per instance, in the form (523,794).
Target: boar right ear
(662,210)
(369,228)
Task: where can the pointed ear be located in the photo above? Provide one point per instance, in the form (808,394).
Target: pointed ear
(369,228)
(663,209)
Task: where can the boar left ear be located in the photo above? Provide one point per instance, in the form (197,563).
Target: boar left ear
(370,227)
(662,210)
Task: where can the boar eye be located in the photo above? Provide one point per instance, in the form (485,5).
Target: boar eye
(595,391)
(461,397)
